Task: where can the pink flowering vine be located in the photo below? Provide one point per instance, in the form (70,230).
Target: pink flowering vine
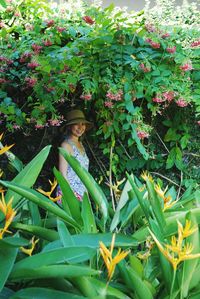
(186,67)
(181,102)
(171,50)
(108,104)
(32,65)
(142,134)
(88,20)
(86,97)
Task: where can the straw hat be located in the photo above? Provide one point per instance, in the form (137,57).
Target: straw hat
(77,116)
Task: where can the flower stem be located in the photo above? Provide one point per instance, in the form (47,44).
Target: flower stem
(172,286)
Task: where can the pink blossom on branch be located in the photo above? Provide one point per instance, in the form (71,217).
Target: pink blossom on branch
(168,95)
(181,102)
(88,20)
(195,43)
(186,67)
(171,49)
(157,100)
(31,81)
(142,134)
(165,35)
(108,104)
(144,68)
(32,65)
(86,96)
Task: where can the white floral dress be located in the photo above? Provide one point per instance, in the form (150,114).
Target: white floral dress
(72,178)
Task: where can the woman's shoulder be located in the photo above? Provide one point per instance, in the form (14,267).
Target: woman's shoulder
(66,144)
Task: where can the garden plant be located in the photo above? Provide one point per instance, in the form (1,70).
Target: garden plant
(136,76)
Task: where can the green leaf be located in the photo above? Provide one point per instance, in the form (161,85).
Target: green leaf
(7,259)
(41,201)
(69,200)
(41,293)
(64,234)
(71,255)
(53,271)
(88,216)
(3,3)
(29,174)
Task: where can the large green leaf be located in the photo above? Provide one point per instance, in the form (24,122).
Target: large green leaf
(70,254)
(7,258)
(29,174)
(92,187)
(66,271)
(41,201)
(41,232)
(41,293)
(69,200)
(64,234)
(88,216)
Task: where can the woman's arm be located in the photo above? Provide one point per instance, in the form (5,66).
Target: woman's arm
(62,162)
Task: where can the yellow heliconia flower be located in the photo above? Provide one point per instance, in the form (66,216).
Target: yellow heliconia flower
(48,193)
(187,230)
(8,212)
(109,261)
(29,251)
(4,148)
(146,176)
(176,252)
(168,203)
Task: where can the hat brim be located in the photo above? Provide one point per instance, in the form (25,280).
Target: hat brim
(88,124)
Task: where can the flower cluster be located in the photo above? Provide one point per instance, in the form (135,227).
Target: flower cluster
(47,43)
(154,45)
(9,213)
(86,96)
(49,193)
(32,65)
(181,102)
(114,96)
(30,81)
(142,134)
(178,250)
(56,122)
(36,48)
(195,43)
(171,50)
(186,67)
(88,20)
(50,23)
(145,68)
(25,56)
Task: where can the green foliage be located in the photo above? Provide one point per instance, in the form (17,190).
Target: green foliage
(131,72)
(66,258)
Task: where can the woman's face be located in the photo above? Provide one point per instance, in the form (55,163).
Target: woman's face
(78,129)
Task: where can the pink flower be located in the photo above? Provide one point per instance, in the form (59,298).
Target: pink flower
(198,122)
(32,65)
(108,104)
(181,103)
(152,43)
(16,127)
(55,122)
(47,43)
(114,96)
(155,45)
(17,14)
(142,134)
(195,43)
(144,68)
(157,100)
(50,23)
(24,57)
(165,35)
(36,48)
(38,126)
(171,50)
(168,95)
(88,20)
(2,25)
(31,81)
(186,67)
(60,29)
(86,97)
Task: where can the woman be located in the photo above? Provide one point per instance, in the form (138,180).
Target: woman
(76,125)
